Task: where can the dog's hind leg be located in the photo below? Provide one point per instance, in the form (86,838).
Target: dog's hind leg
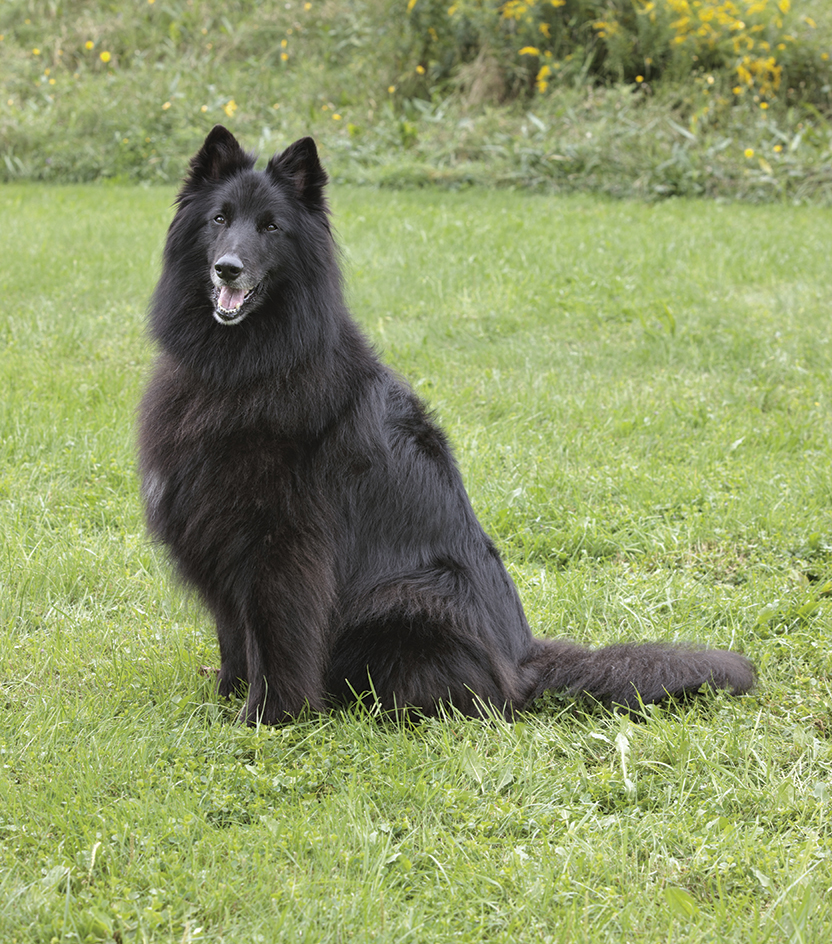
(409,662)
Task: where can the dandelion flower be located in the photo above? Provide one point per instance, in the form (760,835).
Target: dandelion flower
(420,70)
(639,78)
(229,108)
(36,51)
(203,108)
(336,117)
(105,56)
(166,106)
(749,152)
(778,148)
(764,105)
(89,44)
(391,89)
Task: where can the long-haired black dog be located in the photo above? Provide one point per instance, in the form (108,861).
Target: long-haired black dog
(311,500)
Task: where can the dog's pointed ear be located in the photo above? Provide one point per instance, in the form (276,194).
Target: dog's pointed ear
(300,166)
(219,157)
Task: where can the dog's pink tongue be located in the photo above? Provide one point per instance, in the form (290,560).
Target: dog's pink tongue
(231,298)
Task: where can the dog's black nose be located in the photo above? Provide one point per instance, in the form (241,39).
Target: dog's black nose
(228,267)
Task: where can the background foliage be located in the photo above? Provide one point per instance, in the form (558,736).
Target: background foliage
(625,96)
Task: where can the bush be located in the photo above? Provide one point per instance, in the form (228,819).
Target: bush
(629,96)
(763,48)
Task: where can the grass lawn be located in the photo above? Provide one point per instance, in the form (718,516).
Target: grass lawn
(640,399)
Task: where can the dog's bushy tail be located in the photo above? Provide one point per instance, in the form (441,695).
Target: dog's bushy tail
(629,674)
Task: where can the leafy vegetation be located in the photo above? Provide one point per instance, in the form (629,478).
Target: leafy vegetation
(640,400)
(647,97)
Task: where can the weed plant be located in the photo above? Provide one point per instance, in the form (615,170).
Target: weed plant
(640,401)
(411,94)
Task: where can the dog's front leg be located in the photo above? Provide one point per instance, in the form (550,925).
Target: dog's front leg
(285,627)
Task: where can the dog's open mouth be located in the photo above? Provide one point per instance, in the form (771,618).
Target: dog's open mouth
(232,304)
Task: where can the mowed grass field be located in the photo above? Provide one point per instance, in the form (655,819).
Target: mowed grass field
(640,400)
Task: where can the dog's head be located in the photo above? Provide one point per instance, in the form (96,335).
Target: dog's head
(247,221)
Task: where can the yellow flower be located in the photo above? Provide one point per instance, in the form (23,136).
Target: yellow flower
(203,108)
(529,51)
(391,89)
(89,44)
(639,78)
(105,56)
(410,5)
(284,57)
(785,6)
(229,108)
(778,148)
(749,152)
(166,106)
(36,51)
(544,28)
(336,117)
(307,6)
(764,105)
(420,70)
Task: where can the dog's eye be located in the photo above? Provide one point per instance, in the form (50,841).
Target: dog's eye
(271,227)
(219,218)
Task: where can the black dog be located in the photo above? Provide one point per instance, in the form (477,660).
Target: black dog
(309,497)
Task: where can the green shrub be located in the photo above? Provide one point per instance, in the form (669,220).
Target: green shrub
(415,91)
(764,48)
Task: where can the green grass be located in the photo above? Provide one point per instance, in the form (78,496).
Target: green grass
(640,400)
